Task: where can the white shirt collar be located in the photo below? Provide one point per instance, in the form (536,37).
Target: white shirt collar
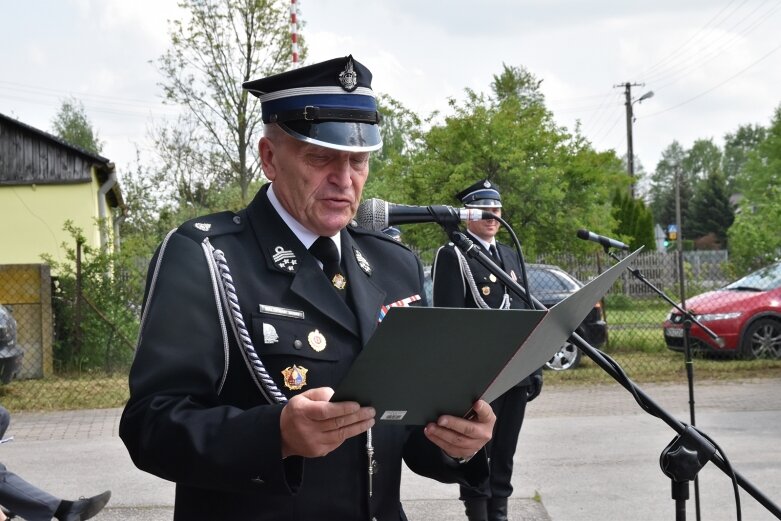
(306,236)
(486,245)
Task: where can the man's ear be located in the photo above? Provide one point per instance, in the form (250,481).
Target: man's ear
(267,158)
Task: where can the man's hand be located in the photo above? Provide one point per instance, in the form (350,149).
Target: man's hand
(311,426)
(535,386)
(462,438)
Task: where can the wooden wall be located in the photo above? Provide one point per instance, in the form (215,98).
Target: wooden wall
(27,157)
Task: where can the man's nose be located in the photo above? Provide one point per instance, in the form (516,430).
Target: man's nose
(341,172)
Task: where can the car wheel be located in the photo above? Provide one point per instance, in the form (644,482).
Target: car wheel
(762,339)
(568,357)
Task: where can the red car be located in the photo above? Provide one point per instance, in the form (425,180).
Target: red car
(746,315)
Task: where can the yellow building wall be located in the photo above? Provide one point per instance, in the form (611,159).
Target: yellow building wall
(33,217)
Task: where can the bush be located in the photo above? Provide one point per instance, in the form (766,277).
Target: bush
(94,328)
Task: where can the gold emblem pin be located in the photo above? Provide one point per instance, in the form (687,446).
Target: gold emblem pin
(486,290)
(316,340)
(492,277)
(295,377)
(339,281)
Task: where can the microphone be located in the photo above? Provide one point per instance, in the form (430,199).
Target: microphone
(607,242)
(376,214)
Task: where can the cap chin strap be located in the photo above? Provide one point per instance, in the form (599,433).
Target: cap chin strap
(315,114)
(470,281)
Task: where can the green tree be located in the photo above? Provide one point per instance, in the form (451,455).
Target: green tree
(552,182)
(669,170)
(711,211)
(72,125)
(220,45)
(634,221)
(701,160)
(753,238)
(737,147)
(401,137)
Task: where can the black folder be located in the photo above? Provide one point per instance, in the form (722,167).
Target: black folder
(423,362)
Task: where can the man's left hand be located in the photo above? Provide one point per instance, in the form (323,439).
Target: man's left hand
(462,438)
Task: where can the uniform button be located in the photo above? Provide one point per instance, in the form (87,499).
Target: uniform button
(298,344)
(237,219)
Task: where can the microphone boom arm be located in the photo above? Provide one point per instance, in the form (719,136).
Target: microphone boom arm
(613,369)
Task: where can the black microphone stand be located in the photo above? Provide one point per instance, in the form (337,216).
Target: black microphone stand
(688,452)
(680,490)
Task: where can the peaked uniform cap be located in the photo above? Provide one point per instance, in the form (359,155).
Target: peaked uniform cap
(330,104)
(482,194)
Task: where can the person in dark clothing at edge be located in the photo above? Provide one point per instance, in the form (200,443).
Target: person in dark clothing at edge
(251,318)
(20,498)
(463,282)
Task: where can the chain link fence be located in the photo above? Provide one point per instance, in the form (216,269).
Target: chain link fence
(744,318)
(76,332)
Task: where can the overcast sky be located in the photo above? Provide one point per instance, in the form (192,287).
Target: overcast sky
(712,64)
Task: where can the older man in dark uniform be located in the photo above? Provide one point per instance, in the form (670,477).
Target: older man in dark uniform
(465,283)
(251,318)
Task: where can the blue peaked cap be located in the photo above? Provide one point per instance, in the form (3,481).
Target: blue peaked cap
(330,104)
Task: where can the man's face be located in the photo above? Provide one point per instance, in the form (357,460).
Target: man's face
(488,228)
(319,186)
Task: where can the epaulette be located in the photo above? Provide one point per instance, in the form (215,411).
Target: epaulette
(354,227)
(212,225)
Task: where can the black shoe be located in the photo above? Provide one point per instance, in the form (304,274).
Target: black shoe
(85,508)
(497,509)
(476,509)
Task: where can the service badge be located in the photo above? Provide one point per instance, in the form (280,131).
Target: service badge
(295,377)
(316,340)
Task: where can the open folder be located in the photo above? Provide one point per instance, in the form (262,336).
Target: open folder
(423,362)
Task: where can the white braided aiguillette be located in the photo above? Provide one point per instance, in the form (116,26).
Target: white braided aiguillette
(241,330)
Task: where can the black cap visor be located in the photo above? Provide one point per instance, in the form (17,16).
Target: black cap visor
(348,136)
(484,203)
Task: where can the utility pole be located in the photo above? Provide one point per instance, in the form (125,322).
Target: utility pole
(630,153)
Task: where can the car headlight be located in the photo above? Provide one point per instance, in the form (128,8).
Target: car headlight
(711,317)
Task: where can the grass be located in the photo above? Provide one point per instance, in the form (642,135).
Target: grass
(635,342)
(58,393)
(91,392)
(661,367)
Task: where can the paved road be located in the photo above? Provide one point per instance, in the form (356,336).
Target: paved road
(586,453)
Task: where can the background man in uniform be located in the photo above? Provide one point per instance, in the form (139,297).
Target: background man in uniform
(250,319)
(465,283)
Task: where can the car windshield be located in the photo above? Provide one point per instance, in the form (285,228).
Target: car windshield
(761,280)
(551,281)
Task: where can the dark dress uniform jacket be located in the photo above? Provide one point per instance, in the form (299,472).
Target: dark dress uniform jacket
(197,415)
(451,290)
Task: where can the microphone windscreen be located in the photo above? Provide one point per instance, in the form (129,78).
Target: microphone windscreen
(583,234)
(372,214)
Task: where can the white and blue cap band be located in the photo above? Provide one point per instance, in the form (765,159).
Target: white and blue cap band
(330,104)
(482,194)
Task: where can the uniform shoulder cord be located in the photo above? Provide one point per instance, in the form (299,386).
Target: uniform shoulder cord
(470,281)
(219,266)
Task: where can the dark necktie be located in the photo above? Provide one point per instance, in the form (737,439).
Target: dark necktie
(495,255)
(325,251)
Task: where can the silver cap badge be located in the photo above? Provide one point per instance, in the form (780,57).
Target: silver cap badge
(348,78)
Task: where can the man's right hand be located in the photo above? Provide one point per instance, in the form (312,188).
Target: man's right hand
(311,426)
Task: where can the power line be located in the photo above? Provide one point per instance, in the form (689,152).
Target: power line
(703,93)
